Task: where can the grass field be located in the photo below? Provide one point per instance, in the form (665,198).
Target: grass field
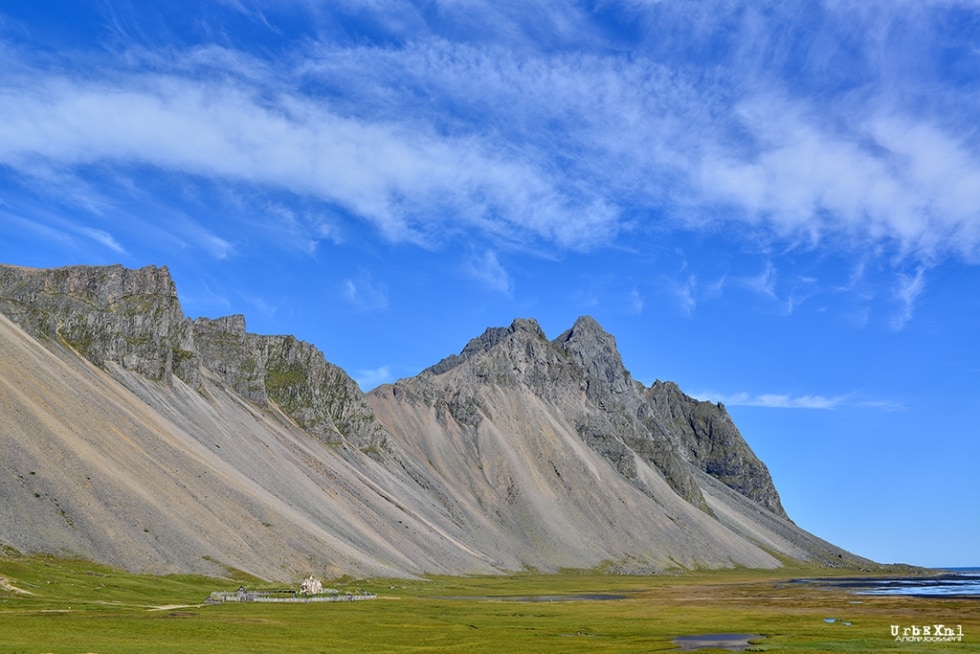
(59,606)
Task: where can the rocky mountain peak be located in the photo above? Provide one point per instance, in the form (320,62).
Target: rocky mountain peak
(105,313)
(529,325)
(133,319)
(231,325)
(486,342)
(594,349)
(704,435)
(581,374)
(519,452)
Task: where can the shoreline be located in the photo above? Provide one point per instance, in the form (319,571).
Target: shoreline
(944,583)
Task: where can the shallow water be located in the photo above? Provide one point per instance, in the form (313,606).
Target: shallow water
(959,583)
(581,597)
(729,642)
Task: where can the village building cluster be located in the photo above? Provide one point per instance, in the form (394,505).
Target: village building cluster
(311,590)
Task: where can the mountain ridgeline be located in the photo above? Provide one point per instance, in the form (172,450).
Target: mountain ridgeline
(138,437)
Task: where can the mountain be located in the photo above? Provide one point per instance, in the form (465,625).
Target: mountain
(138,437)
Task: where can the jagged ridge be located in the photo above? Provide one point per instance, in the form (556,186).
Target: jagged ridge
(134,318)
(581,370)
(518,452)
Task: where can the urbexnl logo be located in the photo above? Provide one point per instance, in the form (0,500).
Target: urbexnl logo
(935,633)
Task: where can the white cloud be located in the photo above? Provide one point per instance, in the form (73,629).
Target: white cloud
(102,237)
(37,228)
(795,299)
(400,176)
(825,173)
(635,302)
(898,180)
(764,283)
(493,131)
(788,401)
(368,379)
(939,181)
(292,230)
(777,400)
(684,292)
(365,293)
(267,308)
(886,405)
(907,292)
(486,269)
(199,237)
(202,297)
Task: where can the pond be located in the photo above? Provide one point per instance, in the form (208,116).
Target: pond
(581,597)
(729,642)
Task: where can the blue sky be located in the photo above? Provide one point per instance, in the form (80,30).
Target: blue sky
(776,205)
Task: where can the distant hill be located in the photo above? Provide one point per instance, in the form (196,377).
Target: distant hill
(137,437)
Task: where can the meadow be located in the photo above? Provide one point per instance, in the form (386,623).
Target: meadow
(69,607)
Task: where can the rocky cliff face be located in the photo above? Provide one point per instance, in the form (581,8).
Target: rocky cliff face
(194,442)
(133,318)
(704,435)
(292,375)
(582,375)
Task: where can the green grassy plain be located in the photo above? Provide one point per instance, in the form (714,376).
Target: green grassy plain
(70,607)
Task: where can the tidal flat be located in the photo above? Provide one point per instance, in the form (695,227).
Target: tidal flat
(59,606)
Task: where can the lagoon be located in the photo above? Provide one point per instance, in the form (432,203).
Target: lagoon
(951,583)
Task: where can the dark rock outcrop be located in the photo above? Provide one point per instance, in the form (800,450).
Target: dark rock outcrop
(704,435)
(582,373)
(133,318)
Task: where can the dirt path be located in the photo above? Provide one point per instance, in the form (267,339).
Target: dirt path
(7,586)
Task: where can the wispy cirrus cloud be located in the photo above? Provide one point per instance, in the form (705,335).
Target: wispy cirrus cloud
(401,177)
(364,292)
(907,292)
(368,379)
(904,181)
(684,291)
(635,302)
(102,237)
(487,269)
(487,122)
(837,174)
(789,401)
(777,400)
